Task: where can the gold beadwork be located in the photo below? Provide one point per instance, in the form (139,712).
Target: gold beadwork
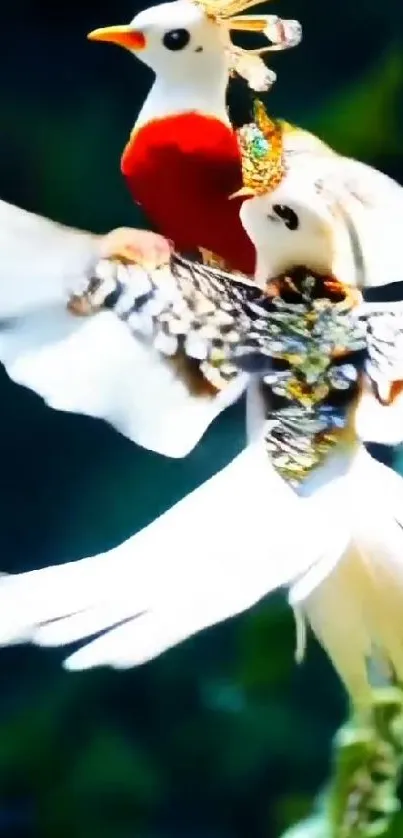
(262,153)
(319,392)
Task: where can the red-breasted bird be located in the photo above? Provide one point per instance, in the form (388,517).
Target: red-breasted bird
(182,162)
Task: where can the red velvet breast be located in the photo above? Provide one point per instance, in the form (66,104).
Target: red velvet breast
(182,170)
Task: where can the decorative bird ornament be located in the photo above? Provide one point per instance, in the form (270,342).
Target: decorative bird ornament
(182,161)
(314,361)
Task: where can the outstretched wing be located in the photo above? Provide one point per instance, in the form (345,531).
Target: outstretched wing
(194,314)
(214,554)
(95,366)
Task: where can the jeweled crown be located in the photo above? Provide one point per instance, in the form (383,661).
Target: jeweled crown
(262,155)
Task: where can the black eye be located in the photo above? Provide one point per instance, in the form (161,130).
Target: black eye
(176,39)
(287,215)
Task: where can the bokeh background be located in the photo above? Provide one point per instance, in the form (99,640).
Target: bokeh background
(223,737)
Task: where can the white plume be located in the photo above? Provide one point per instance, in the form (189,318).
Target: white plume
(214,554)
(354,599)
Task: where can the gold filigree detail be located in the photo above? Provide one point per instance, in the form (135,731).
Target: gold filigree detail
(300,339)
(319,387)
(261,144)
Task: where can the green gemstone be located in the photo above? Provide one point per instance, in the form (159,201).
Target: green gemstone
(260,146)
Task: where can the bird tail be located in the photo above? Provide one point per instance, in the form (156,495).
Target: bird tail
(222,548)
(354,601)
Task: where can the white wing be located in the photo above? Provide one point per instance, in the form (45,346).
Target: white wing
(39,260)
(375,205)
(89,366)
(96,367)
(218,551)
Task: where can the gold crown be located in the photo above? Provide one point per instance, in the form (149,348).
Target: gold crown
(283,34)
(262,154)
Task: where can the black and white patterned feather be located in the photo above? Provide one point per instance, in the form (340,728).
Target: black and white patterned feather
(184,308)
(226,324)
(384,344)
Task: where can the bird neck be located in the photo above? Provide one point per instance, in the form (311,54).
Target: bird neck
(168,97)
(328,250)
(282,258)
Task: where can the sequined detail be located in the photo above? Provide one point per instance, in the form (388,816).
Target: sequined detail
(316,337)
(262,156)
(298,440)
(306,339)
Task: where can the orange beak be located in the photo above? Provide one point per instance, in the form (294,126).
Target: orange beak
(123,36)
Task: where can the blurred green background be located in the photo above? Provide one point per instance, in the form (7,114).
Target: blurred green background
(223,737)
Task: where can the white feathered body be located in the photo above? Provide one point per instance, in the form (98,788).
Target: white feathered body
(230,542)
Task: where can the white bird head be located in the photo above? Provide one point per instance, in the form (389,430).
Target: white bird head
(299,224)
(173,39)
(189,40)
